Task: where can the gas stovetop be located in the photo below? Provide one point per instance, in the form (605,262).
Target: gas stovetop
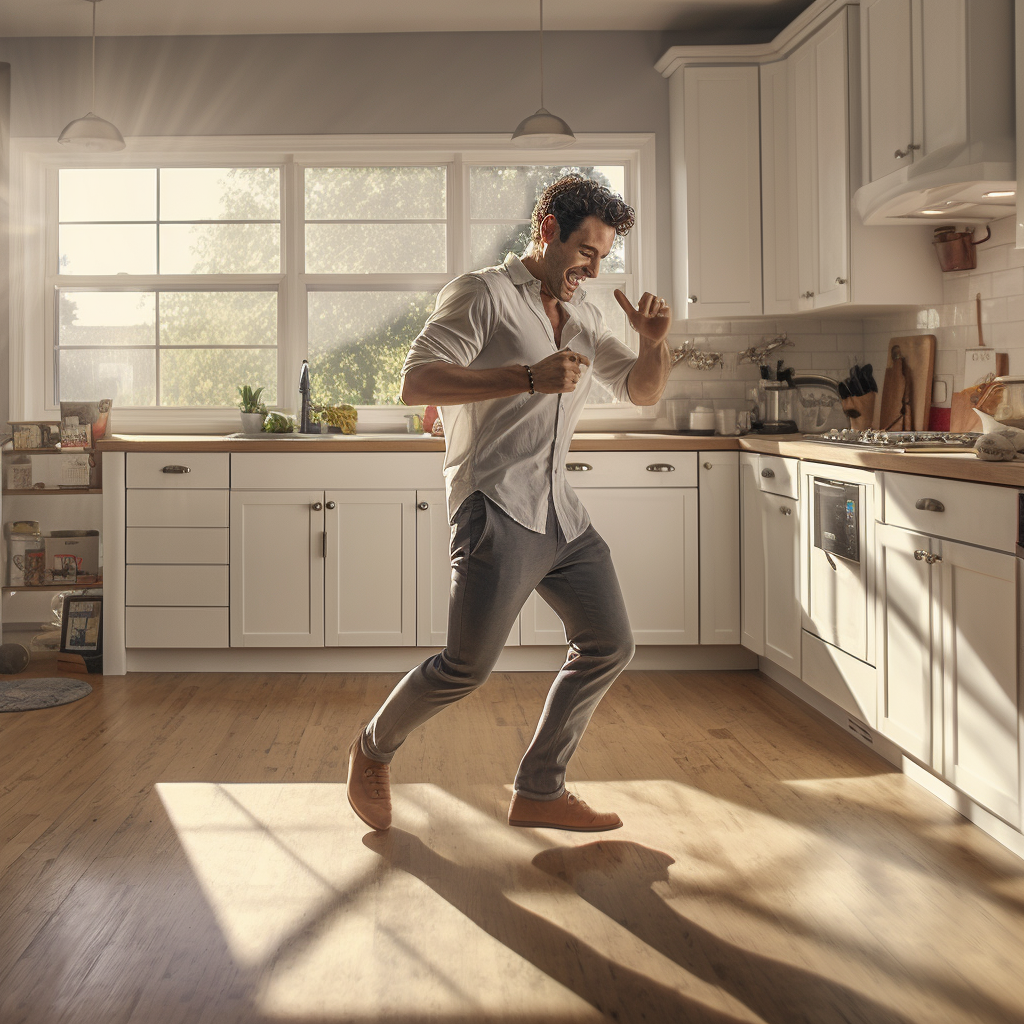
(897,440)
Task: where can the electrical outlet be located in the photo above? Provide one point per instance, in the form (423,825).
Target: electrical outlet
(942,389)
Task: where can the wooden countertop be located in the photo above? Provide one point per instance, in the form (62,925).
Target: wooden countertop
(957,466)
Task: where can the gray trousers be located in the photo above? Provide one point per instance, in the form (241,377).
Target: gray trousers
(496,564)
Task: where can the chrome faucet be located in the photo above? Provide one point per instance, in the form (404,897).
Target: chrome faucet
(304,410)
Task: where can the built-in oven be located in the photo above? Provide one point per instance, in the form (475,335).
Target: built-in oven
(838,571)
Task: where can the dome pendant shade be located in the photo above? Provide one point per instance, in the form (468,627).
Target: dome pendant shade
(543,130)
(92,133)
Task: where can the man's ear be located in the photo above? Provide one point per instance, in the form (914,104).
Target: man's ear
(549,229)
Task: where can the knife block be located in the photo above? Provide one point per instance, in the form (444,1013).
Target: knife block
(860,409)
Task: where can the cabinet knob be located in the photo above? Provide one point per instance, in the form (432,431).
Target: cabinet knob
(932,559)
(807,295)
(840,280)
(691,298)
(578,467)
(329,504)
(709,465)
(316,506)
(920,554)
(176,469)
(929,505)
(660,467)
(423,506)
(901,153)
(768,473)
(785,510)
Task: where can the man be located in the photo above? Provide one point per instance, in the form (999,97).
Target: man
(509,355)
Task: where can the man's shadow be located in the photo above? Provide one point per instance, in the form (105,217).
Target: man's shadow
(616,878)
(619,992)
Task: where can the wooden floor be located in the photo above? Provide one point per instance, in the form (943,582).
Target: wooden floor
(178,848)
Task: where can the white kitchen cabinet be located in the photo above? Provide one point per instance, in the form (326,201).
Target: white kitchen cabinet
(752,594)
(777,191)
(949,659)
(370,568)
(277,568)
(937,91)
(717,191)
(652,532)
(719,501)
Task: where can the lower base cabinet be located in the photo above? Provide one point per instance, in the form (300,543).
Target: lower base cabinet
(949,662)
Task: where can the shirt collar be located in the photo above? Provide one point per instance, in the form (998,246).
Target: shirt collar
(519,275)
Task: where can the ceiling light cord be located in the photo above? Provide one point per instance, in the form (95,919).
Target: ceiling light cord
(93,107)
(541,51)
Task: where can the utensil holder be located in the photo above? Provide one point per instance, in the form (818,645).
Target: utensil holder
(860,409)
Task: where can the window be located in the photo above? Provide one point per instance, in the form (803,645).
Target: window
(174,277)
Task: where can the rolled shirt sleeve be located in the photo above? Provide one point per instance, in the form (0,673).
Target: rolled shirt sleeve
(459,327)
(612,361)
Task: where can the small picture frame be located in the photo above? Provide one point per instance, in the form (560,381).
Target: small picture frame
(81,629)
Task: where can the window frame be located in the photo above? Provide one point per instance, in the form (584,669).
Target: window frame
(34,247)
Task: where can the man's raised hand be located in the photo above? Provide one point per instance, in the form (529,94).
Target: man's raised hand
(651,319)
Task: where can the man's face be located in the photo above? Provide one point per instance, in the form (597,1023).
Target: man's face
(566,264)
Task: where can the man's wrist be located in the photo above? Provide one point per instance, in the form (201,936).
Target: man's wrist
(529,374)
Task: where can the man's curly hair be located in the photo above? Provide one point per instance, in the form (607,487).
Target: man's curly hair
(572,198)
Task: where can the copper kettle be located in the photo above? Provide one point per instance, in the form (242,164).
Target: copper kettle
(957,250)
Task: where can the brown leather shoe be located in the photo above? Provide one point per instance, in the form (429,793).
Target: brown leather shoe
(567,812)
(369,787)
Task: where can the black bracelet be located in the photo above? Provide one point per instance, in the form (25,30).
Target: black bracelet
(529,373)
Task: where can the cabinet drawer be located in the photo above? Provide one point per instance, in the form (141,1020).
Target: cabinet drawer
(176,508)
(777,475)
(176,585)
(631,469)
(176,627)
(980,514)
(169,545)
(191,470)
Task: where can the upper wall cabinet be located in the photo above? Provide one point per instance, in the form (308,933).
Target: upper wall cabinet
(764,226)
(718,197)
(938,102)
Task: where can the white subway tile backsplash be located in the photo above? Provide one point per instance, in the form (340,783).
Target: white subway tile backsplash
(1008,282)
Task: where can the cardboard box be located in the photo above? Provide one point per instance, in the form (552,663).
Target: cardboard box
(85,549)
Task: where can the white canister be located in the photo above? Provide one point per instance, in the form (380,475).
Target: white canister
(725,422)
(18,545)
(702,418)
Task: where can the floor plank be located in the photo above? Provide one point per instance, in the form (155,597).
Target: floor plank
(178,848)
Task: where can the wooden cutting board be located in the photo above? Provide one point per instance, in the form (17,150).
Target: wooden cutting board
(918,353)
(962,417)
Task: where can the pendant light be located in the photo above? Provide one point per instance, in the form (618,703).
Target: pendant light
(543,130)
(92,132)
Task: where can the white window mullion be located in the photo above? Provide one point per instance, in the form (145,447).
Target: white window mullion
(292,313)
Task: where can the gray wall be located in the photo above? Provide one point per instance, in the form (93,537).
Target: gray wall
(340,84)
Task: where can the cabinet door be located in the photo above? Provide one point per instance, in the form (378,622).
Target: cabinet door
(370,569)
(907,606)
(887,67)
(780,528)
(719,498)
(832,143)
(776,186)
(659,581)
(277,569)
(940,77)
(804,178)
(980,676)
(751,554)
(721,144)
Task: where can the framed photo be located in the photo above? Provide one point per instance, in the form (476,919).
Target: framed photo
(81,629)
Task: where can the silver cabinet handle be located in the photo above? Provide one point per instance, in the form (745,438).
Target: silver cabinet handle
(929,505)
(423,506)
(325,543)
(329,504)
(901,153)
(176,469)
(578,467)
(840,280)
(316,506)
(691,298)
(709,465)
(785,510)
(920,554)
(932,559)
(807,295)
(768,473)
(660,467)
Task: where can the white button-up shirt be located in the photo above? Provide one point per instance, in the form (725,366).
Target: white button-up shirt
(514,449)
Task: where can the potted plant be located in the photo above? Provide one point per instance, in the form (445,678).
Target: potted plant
(253,410)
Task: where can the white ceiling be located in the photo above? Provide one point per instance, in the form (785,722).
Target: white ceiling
(280,17)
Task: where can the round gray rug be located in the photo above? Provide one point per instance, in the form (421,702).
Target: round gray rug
(31,694)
